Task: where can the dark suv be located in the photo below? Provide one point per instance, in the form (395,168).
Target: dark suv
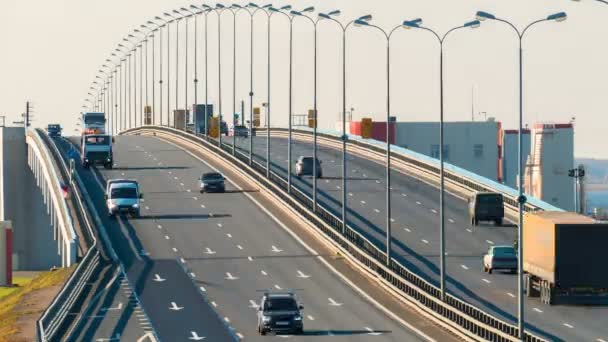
(212,182)
(305,165)
(486,206)
(280,312)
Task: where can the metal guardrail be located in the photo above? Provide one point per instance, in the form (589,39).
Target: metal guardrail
(64,227)
(54,316)
(466,318)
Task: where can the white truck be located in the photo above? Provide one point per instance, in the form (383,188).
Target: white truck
(123,197)
(96,149)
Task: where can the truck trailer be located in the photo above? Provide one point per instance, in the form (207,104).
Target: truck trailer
(564,258)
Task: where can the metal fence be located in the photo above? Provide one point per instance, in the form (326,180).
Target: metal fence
(466,318)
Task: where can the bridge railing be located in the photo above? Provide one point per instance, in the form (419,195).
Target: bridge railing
(467,319)
(44,168)
(50,324)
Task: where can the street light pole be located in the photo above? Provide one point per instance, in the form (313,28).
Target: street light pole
(417,24)
(344,28)
(168,67)
(195,108)
(561,16)
(178,19)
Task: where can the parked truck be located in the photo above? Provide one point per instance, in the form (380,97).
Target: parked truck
(564,258)
(96,149)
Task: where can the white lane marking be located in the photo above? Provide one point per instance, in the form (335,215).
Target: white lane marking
(227,319)
(277,287)
(159,226)
(210,214)
(158,278)
(310,318)
(182,260)
(338,187)
(451,221)
(425,241)
(167,237)
(376,210)
(195,198)
(600,340)
(249,258)
(209,251)
(434,211)
(490,242)
(122,173)
(464,267)
(219,225)
(350,194)
(263,272)
(327,181)
(377,181)
(406,229)
(313,251)
(116,308)
(188,190)
(302,275)
(175,178)
(486,280)
(170,172)
(229,276)
(392,220)
(362,202)
(229,235)
(567,325)
(538,310)
(364,175)
(174,307)
(194,336)
(468,230)
(404,195)
(417,202)
(239,247)
(174,250)
(214,304)
(192,275)
(253,304)
(510,295)
(275,249)
(372,332)
(203,289)
(182,184)
(203,206)
(240,335)
(147,208)
(332,302)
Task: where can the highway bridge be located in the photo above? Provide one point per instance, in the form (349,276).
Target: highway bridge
(194,266)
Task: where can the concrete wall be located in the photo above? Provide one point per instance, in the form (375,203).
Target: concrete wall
(510,155)
(470,145)
(34,247)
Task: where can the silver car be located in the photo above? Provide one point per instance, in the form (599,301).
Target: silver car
(122,197)
(500,258)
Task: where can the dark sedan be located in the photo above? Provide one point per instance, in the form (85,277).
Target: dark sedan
(212,182)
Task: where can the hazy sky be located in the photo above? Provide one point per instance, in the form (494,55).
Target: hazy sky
(51,51)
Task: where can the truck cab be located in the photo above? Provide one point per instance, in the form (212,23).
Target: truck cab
(54,130)
(96,149)
(123,197)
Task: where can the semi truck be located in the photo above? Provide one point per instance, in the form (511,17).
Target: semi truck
(96,149)
(564,258)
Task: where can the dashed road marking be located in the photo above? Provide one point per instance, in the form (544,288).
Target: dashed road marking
(219,225)
(350,194)
(249,258)
(376,210)
(167,237)
(239,247)
(469,230)
(192,275)
(464,267)
(407,230)
(302,275)
(538,310)
(404,195)
(362,202)
(203,206)
(434,211)
(227,319)
(392,220)
(229,276)
(451,221)
(510,295)
(486,280)
(275,249)
(159,227)
(229,235)
(310,318)
(182,260)
(277,287)
(203,289)
(567,325)
(174,250)
(333,302)
(490,242)
(425,241)
(209,251)
(418,202)
(214,304)
(263,272)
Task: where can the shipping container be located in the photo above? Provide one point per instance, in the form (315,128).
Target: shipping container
(564,258)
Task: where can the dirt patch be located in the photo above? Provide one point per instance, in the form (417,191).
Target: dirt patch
(20,310)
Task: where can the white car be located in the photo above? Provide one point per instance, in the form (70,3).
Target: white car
(122,197)
(500,258)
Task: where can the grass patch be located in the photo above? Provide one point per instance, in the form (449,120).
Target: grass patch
(10,299)
(18,281)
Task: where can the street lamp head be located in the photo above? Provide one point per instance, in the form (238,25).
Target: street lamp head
(561,16)
(206,6)
(360,22)
(308,9)
(481,16)
(294,13)
(412,23)
(267,6)
(176,12)
(272,9)
(132,36)
(367,17)
(251,4)
(236,6)
(335,13)
(324,16)
(219,6)
(286,8)
(473,24)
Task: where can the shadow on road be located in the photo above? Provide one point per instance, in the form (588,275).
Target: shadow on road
(183,217)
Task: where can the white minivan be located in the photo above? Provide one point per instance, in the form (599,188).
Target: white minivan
(122,197)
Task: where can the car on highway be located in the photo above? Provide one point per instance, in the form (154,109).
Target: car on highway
(123,197)
(240,131)
(304,167)
(212,182)
(280,313)
(500,258)
(486,206)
